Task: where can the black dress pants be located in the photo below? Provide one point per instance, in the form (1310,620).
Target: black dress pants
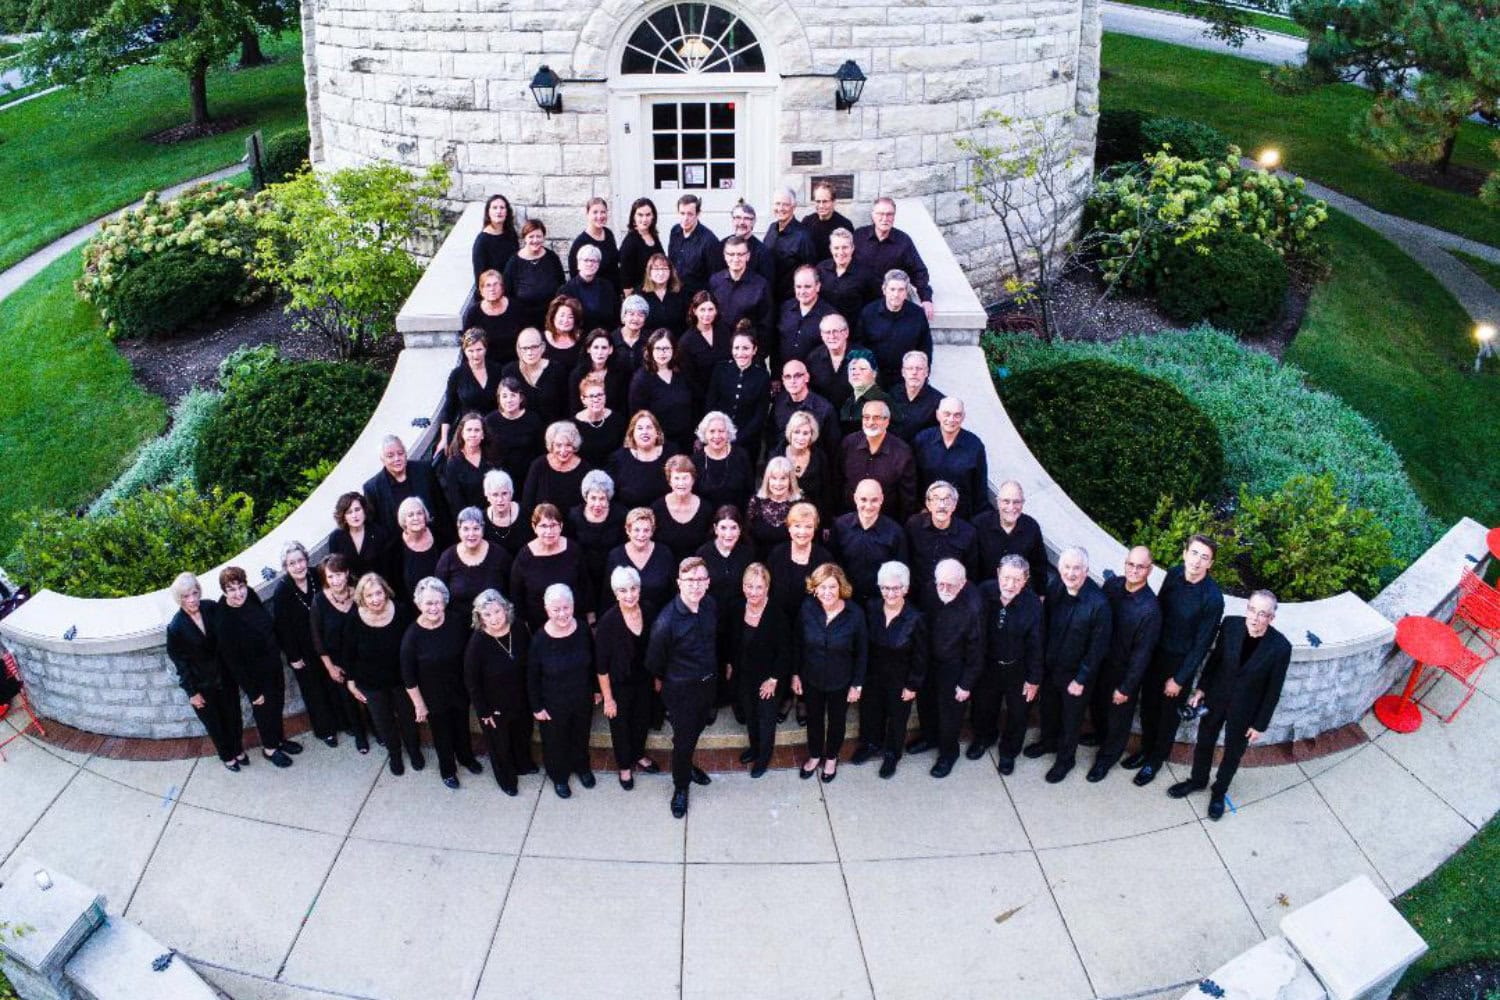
(268,722)
(827,716)
(1111,722)
(927,710)
(565,742)
(508,742)
(950,720)
(1159,718)
(1062,718)
(1233,724)
(627,730)
(1001,708)
(395,720)
(688,704)
(222,720)
(353,717)
(318,695)
(450,738)
(760,718)
(883,716)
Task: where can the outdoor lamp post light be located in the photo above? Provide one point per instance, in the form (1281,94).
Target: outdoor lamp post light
(544,87)
(1269,159)
(851,83)
(1485,334)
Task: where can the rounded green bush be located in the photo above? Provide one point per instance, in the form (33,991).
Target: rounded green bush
(1189,139)
(1231,280)
(273,423)
(1114,439)
(1119,139)
(284,154)
(170,290)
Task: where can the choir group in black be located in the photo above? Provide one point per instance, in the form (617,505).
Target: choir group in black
(737,489)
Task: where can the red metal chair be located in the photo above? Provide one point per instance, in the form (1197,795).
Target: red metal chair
(1478,611)
(13,671)
(1466,670)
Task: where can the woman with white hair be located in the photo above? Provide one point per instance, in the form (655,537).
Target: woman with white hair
(593,285)
(193,648)
(630,336)
(897,668)
(726,474)
(472,565)
(505,524)
(417,551)
(621,638)
(291,608)
(597,524)
(559,681)
(495,675)
(432,668)
(556,477)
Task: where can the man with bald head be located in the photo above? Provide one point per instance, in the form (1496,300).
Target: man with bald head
(795,395)
(955,455)
(872,452)
(1135,619)
(1078,631)
(1009,530)
(865,539)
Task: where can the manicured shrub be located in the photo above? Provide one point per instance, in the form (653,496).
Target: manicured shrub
(280,420)
(308,480)
(1119,137)
(139,547)
(166,459)
(1229,279)
(170,290)
(1189,140)
(1115,439)
(284,155)
(1166,531)
(1307,542)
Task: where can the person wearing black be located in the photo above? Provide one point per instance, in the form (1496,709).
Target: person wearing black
(898,669)
(652,561)
(547,559)
(882,247)
(872,452)
(247,645)
(496,241)
(561,344)
(741,389)
(703,346)
(597,524)
(893,325)
(638,245)
(791,562)
(828,363)
(620,638)
(193,648)
(830,656)
(742,219)
(758,650)
(684,520)
(823,220)
(559,680)
(666,302)
(557,477)
(681,657)
(740,293)
(724,472)
(432,670)
(661,387)
(471,566)
(629,337)
(600,428)
(1009,530)
(1012,663)
(955,630)
(847,284)
(398,479)
(355,538)
(1192,606)
(597,234)
(497,315)
(593,291)
(472,385)
(795,396)
(726,556)
(1077,641)
(801,317)
(464,469)
(916,400)
(601,364)
(935,534)
(807,462)
(533,276)
(542,381)
(859,370)
(495,676)
(331,610)
(638,467)
(950,453)
(1241,685)
(513,433)
(693,248)
(789,243)
(865,540)
(504,524)
(416,552)
(371,648)
(1135,626)
(292,612)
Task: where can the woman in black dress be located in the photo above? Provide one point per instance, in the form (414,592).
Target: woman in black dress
(556,477)
(831,656)
(543,382)
(432,668)
(621,637)
(495,675)
(597,524)
(548,558)
(684,520)
(598,294)
(497,241)
(741,389)
(417,551)
(471,566)
(361,543)
(371,647)
(767,510)
(898,668)
(759,648)
(600,428)
(725,472)
(600,359)
(662,290)
(655,569)
(561,332)
(533,275)
(638,468)
(513,433)
(630,337)
(665,391)
(504,523)
(638,245)
(495,314)
(193,648)
(247,642)
(559,680)
(463,472)
(472,385)
(331,609)
(292,607)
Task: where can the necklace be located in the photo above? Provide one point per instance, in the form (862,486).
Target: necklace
(506,642)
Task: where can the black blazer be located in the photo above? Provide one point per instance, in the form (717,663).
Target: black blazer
(382,503)
(1250,690)
(195,654)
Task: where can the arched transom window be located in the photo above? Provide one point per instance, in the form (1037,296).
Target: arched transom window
(692,38)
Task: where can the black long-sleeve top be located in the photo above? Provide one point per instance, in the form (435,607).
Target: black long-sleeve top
(466,582)
(371,556)
(599,441)
(1190,616)
(634,252)
(760,258)
(697,359)
(1014,636)
(328,628)
(964,464)
(638,483)
(1024,540)
(790,247)
(500,331)
(617,373)
(956,634)
(671,403)
(891,334)
(658,575)
(544,484)
(463,481)
(757,653)
(816,481)
(291,610)
(789,578)
(750,297)
(609,255)
(513,444)
(548,398)
(414,566)
(560,672)
(861,550)
(782,408)
(726,573)
(512,537)
(195,652)
(620,653)
(665,310)
(914,414)
(744,395)
(892,467)
(1078,631)
(599,298)
(531,285)
(849,292)
(432,660)
(830,655)
(683,646)
(898,649)
(597,540)
(372,654)
(683,537)
(465,394)
(531,575)
(821,230)
(695,256)
(798,333)
(491,252)
(1135,625)
(930,545)
(565,359)
(727,480)
(494,678)
(895,251)
(766,520)
(852,409)
(829,380)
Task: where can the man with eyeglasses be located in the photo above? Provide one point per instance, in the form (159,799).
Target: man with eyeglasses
(740,294)
(742,219)
(872,452)
(955,659)
(881,247)
(1240,685)
(1135,627)
(682,656)
(824,219)
(796,394)
(865,540)
(1077,640)
(949,452)
(1009,530)
(1012,663)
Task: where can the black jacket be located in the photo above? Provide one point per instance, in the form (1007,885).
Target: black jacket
(1024,540)
(1190,616)
(1135,625)
(1247,692)
(759,654)
(195,654)
(1078,631)
(1017,638)
(247,645)
(831,655)
(381,492)
(956,632)
(898,651)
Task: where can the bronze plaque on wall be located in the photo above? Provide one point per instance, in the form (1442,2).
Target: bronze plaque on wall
(807,157)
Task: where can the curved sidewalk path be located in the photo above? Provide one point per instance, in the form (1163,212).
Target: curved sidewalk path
(335,879)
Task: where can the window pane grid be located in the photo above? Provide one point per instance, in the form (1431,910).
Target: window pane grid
(693,145)
(691,38)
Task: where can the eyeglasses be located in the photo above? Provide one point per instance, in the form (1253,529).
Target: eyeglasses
(693,579)
(1137,565)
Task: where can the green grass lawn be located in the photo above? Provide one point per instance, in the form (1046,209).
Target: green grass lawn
(1456,909)
(1312,131)
(68,159)
(1263,22)
(71,415)
(1384,336)
(1486,270)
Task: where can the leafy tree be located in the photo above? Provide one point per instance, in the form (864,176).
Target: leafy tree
(1230,20)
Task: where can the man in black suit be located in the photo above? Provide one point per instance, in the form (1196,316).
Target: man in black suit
(1078,630)
(398,479)
(1241,686)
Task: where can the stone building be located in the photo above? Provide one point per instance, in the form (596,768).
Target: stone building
(729,99)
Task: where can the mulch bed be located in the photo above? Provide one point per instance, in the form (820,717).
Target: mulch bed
(1462,982)
(1458,179)
(187,132)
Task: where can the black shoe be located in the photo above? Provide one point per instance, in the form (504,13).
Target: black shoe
(679,803)
(232,765)
(1216,808)
(1038,749)
(279,758)
(1058,772)
(828,776)
(1099,771)
(864,753)
(418,761)
(511,790)
(747,756)
(1144,776)
(452,782)
(758,771)
(700,776)
(586,779)
(378,740)
(920,745)
(804,772)
(474,767)
(976,750)
(396,766)
(331,741)
(243,760)
(942,768)
(1005,765)
(782,713)
(361,744)
(1183,789)
(1091,740)
(562,790)
(530,769)
(290,747)
(651,768)
(888,765)
(1134,762)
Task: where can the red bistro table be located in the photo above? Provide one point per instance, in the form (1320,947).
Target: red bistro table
(1425,640)
(1492,541)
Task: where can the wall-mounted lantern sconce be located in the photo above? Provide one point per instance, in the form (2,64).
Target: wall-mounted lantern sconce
(544,87)
(851,83)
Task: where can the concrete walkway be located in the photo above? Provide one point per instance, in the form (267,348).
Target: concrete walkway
(337,880)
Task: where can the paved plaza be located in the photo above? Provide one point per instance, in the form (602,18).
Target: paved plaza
(336,879)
